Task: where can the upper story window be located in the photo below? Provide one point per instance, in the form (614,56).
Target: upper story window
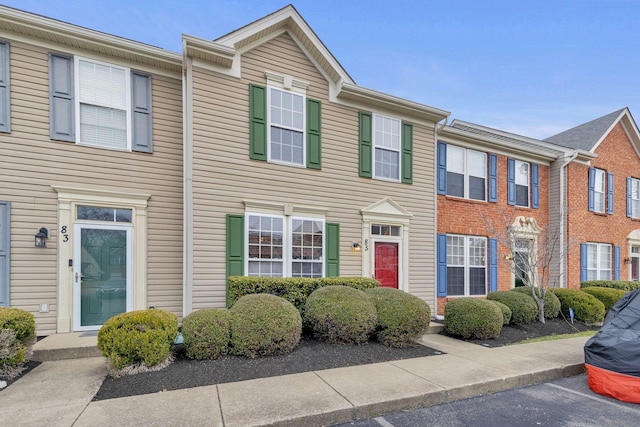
(286,126)
(598,261)
(633,198)
(598,191)
(99,104)
(466,173)
(601,187)
(386,142)
(466,265)
(522,184)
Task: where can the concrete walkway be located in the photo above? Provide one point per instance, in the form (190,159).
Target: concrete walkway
(59,393)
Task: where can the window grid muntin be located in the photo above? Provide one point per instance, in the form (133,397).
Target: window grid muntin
(466,173)
(98,105)
(521,180)
(101,213)
(385,230)
(265,245)
(386,143)
(286,113)
(635,198)
(599,261)
(599,191)
(307,247)
(466,265)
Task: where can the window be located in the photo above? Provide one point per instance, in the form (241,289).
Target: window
(284,247)
(521,252)
(286,126)
(385,230)
(466,265)
(95,213)
(598,261)
(598,191)
(633,198)
(99,104)
(5,90)
(522,183)
(386,142)
(466,173)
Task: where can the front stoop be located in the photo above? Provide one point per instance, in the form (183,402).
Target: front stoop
(75,345)
(435,328)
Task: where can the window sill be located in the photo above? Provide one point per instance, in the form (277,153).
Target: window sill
(463,199)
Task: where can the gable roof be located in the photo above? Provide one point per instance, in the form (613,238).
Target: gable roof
(588,136)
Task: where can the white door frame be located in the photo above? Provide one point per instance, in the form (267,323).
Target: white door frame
(77,273)
(387,239)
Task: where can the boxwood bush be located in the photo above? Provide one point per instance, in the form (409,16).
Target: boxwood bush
(264,325)
(523,307)
(551,301)
(473,318)
(506,312)
(141,338)
(17,336)
(608,296)
(296,290)
(587,308)
(625,285)
(402,317)
(207,333)
(340,314)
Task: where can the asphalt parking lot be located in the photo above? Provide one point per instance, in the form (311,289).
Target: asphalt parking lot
(563,402)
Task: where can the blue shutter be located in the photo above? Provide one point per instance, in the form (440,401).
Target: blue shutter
(629,207)
(610,193)
(442,168)
(616,263)
(493,178)
(5,89)
(141,113)
(592,186)
(442,265)
(511,181)
(535,193)
(493,265)
(5,252)
(61,105)
(583,262)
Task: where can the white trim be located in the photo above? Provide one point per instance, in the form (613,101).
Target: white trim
(467,267)
(599,268)
(286,82)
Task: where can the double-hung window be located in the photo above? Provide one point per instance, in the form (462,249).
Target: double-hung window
(281,246)
(598,261)
(466,265)
(466,173)
(598,191)
(386,143)
(633,198)
(286,126)
(522,183)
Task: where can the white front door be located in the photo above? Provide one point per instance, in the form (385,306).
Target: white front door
(102,273)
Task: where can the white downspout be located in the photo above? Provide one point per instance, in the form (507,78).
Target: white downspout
(187,147)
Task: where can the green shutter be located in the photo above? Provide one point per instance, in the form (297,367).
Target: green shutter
(314,146)
(332,242)
(407,153)
(257,122)
(235,245)
(366,160)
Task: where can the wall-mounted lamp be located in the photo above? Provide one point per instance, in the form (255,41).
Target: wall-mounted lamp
(508,258)
(627,260)
(356,247)
(41,238)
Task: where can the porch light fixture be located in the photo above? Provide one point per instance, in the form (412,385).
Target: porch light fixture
(41,238)
(356,247)
(627,260)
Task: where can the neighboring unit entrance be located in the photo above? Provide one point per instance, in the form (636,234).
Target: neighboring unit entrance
(386,263)
(102,273)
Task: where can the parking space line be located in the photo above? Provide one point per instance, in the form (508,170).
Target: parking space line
(598,399)
(383,422)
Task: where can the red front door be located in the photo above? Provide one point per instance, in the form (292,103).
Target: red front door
(386,264)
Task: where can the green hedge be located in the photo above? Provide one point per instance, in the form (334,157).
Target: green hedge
(207,333)
(625,285)
(551,301)
(608,296)
(296,290)
(17,336)
(524,309)
(506,312)
(473,318)
(586,308)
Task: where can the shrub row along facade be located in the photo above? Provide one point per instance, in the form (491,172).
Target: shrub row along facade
(136,177)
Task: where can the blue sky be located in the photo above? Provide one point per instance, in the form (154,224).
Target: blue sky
(529,67)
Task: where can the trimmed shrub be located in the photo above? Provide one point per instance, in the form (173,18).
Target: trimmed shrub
(207,333)
(608,296)
(139,339)
(586,308)
(402,317)
(296,290)
(506,312)
(625,285)
(473,318)
(340,314)
(17,336)
(264,325)
(551,301)
(523,308)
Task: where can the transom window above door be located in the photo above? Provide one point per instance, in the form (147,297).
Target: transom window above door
(385,230)
(97,213)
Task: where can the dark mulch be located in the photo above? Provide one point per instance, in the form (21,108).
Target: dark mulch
(310,355)
(515,333)
(28,367)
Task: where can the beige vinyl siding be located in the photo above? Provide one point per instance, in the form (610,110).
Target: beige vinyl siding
(224,176)
(556,203)
(32,163)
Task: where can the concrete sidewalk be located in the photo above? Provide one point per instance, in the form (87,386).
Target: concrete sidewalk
(59,393)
